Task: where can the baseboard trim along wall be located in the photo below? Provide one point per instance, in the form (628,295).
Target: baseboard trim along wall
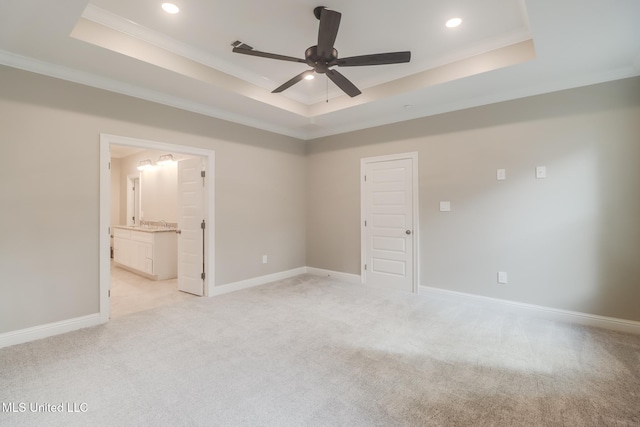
(256,281)
(262,280)
(611,323)
(47,330)
(345,277)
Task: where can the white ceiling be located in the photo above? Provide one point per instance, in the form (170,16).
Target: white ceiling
(504,49)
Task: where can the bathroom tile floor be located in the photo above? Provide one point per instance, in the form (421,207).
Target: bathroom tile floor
(131,293)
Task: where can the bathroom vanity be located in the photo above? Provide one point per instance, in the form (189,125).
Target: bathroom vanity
(151,252)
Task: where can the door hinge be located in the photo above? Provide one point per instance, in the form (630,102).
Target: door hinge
(203,225)
(109,165)
(202,276)
(365,222)
(365,267)
(109,293)
(365,178)
(202,173)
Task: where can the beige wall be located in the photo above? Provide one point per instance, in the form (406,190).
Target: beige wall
(49,183)
(570,241)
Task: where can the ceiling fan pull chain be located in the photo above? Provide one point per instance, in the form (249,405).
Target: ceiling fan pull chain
(327,80)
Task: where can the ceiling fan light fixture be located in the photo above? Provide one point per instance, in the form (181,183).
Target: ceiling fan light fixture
(453,22)
(309,77)
(170,8)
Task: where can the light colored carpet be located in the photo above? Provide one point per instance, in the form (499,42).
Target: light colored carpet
(312,351)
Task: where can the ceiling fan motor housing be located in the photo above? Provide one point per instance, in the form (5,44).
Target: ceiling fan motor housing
(320,65)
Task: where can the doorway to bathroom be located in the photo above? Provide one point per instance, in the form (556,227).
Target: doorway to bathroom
(145,202)
(157,207)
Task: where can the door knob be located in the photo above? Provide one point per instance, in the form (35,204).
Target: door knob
(408,231)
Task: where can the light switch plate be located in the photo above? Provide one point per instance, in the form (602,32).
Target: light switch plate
(541,172)
(501,174)
(502,277)
(445,206)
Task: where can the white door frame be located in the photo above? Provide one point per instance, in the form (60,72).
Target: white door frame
(415,226)
(105,205)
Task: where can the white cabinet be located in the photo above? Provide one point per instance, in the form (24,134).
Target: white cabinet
(150,253)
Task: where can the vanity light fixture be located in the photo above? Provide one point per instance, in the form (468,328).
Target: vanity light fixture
(145,165)
(165,159)
(170,8)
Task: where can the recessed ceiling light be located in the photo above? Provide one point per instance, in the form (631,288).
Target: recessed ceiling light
(170,8)
(453,22)
(309,77)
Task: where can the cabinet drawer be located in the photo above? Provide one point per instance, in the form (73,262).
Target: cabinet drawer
(121,233)
(141,236)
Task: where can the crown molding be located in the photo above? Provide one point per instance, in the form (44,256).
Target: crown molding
(87,79)
(52,70)
(541,89)
(133,29)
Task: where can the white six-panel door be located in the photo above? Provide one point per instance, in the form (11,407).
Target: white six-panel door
(190,218)
(388,223)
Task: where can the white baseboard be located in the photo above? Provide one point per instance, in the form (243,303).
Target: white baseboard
(256,281)
(345,277)
(48,330)
(56,328)
(611,323)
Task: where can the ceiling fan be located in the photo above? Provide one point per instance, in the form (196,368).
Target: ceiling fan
(323,56)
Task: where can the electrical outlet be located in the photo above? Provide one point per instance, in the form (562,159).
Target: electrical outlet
(541,172)
(264,259)
(501,174)
(502,277)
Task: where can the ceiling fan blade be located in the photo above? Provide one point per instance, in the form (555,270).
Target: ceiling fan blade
(293,81)
(343,83)
(252,52)
(328,31)
(374,59)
